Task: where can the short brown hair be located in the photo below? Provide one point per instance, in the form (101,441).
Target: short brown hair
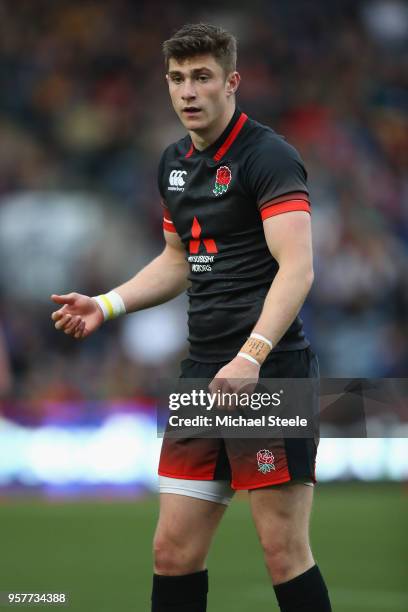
(201,39)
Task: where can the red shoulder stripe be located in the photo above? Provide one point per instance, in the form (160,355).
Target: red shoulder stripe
(284,207)
(288,197)
(168,225)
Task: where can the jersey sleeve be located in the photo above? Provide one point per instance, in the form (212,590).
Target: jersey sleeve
(168,224)
(277,178)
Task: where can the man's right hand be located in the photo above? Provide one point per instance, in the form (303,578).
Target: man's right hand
(79,315)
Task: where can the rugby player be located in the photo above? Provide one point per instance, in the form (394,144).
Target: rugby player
(238,239)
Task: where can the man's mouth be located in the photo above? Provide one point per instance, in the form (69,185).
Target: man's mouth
(191,110)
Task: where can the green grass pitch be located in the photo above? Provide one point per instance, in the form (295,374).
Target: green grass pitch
(100,552)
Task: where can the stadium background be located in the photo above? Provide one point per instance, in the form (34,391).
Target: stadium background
(84,115)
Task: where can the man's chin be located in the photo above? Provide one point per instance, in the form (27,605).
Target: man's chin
(193,123)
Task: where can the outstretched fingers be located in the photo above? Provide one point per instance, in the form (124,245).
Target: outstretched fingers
(65,319)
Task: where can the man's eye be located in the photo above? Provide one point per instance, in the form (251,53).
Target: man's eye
(203,78)
(176,79)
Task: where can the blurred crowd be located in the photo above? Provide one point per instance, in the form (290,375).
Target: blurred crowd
(84,116)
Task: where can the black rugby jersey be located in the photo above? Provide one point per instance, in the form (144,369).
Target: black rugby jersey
(216,201)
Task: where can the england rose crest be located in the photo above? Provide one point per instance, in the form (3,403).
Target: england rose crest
(222,180)
(266,461)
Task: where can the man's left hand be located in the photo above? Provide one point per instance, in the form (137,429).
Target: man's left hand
(237,376)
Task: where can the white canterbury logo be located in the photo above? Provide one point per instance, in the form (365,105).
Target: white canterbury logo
(176,180)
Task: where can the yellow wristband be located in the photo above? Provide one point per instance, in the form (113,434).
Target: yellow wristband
(111,304)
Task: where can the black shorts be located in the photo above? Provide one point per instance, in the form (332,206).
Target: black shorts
(236,459)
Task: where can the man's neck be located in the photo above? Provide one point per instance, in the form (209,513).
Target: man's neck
(202,140)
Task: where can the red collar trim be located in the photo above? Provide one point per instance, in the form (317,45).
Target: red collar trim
(228,141)
(231,138)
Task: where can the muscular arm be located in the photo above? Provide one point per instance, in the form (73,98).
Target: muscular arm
(289,239)
(160,281)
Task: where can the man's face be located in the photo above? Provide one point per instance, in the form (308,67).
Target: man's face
(200,90)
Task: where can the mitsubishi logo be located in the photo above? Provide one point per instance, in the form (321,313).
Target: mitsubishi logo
(209,243)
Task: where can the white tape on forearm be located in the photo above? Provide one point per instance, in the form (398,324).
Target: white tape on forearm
(249,358)
(111,304)
(260,337)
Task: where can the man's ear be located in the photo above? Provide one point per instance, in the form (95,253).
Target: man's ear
(167,78)
(233,81)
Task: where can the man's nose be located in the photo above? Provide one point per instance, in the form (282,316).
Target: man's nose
(188,92)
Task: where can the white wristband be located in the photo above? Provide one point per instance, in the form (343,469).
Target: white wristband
(249,358)
(260,337)
(111,304)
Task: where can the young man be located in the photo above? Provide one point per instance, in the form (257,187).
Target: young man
(237,231)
